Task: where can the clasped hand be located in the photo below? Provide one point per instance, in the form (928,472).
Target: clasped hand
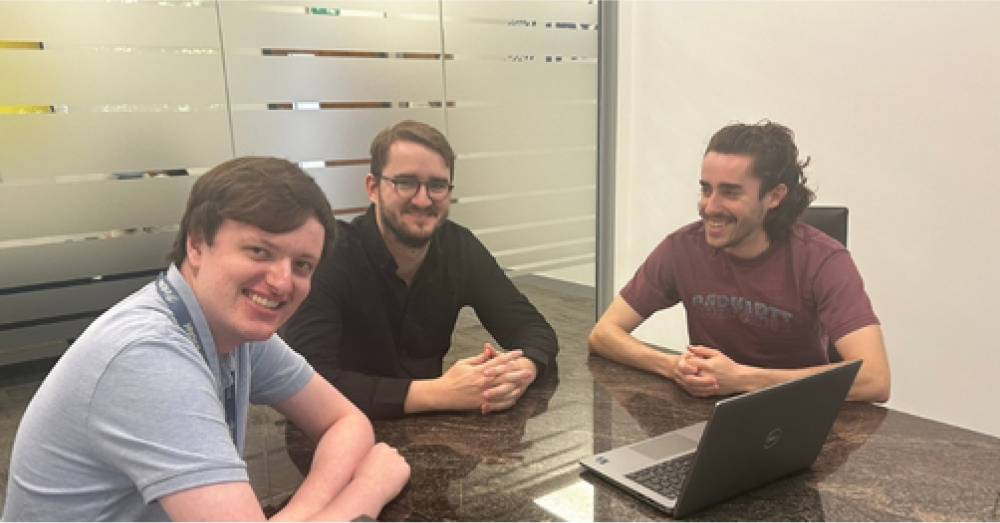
(490,381)
(704,371)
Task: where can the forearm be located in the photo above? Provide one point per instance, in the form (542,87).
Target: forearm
(868,385)
(424,396)
(618,345)
(359,497)
(338,453)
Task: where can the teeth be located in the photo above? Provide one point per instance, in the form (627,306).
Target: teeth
(260,300)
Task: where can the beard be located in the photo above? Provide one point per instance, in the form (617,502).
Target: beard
(411,238)
(743,228)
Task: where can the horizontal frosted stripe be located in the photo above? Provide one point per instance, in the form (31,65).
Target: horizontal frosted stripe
(536,82)
(13,354)
(523,210)
(542,59)
(463,39)
(27,109)
(257,79)
(475,176)
(515,193)
(24,46)
(519,11)
(538,234)
(344,187)
(29,211)
(533,248)
(307,135)
(40,146)
(66,300)
(393,7)
(244,25)
(69,261)
(487,129)
(120,23)
(319,164)
(583,260)
(51,332)
(546,254)
(512,227)
(341,53)
(86,79)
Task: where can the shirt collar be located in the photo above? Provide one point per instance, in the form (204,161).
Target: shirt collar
(190,301)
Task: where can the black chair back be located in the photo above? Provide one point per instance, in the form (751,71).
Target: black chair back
(833,221)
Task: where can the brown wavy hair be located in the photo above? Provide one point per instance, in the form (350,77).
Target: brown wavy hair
(415,132)
(272,194)
(774,159)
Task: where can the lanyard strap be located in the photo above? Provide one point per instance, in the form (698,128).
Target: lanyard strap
(183,317)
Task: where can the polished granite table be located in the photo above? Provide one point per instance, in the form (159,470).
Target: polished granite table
(521,465)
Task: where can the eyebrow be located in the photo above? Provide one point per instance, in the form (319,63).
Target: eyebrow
(274,247)
(723,186)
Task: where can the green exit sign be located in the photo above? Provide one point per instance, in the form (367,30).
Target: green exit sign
(329,11)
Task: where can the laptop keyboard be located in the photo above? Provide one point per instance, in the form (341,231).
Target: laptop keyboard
(665,477)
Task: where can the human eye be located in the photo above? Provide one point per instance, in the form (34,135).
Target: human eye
(437,186)
(407,184)
(304,267)
(257,252)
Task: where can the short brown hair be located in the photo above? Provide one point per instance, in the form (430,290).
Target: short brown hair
(774,159)
(415,132)
(272,194)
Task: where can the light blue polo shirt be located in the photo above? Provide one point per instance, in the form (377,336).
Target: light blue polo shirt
(134,411)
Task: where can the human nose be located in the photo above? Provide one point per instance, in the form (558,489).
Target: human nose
(279,276)
(422,196)
(709,202)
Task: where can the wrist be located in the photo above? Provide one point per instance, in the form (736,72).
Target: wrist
(423,396)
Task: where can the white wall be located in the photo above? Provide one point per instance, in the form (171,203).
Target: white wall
(897,103)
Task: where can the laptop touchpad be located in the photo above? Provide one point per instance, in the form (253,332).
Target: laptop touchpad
(666,446)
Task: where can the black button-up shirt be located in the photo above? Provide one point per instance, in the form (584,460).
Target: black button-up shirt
(369,335)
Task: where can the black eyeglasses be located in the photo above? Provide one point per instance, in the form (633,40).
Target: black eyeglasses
(437,190)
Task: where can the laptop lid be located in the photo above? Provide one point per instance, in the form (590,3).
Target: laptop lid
(749,440)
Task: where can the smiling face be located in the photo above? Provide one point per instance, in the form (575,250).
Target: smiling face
(249,281)
(730,208)
(409,222)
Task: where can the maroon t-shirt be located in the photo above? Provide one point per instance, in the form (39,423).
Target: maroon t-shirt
(776,310)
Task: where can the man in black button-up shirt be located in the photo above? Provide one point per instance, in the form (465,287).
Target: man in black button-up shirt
(383,305)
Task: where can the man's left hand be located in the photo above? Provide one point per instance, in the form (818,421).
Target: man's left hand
(712,365)
(513,373)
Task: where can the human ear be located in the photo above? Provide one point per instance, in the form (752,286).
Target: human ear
(776,195)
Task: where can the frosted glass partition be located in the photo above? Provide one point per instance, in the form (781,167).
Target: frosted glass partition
(110,110)
(316,84)
(97,100)
(522,89)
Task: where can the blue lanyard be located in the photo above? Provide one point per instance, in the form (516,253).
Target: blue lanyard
(183,317)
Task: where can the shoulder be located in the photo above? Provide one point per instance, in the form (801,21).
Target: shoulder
(808,239)
(455,237)
(140,316)
(687,239)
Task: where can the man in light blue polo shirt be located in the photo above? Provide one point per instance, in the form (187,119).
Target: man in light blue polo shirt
(144,417)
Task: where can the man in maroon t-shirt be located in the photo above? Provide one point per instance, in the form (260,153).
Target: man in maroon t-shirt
(763,292)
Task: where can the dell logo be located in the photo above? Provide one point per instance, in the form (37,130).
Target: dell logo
(602,460)
(772,438)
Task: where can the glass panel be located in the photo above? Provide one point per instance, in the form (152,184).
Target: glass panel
(524,124)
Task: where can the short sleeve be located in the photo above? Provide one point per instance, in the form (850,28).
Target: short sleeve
(157,418)
(843,305)
(277,372)
(654,286)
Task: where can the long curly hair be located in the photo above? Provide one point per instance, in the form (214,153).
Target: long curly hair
(774,159)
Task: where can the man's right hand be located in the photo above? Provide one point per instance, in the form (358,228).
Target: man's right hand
(463,386)
(385,471)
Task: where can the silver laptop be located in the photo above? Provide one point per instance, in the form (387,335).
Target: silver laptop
(748,440)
